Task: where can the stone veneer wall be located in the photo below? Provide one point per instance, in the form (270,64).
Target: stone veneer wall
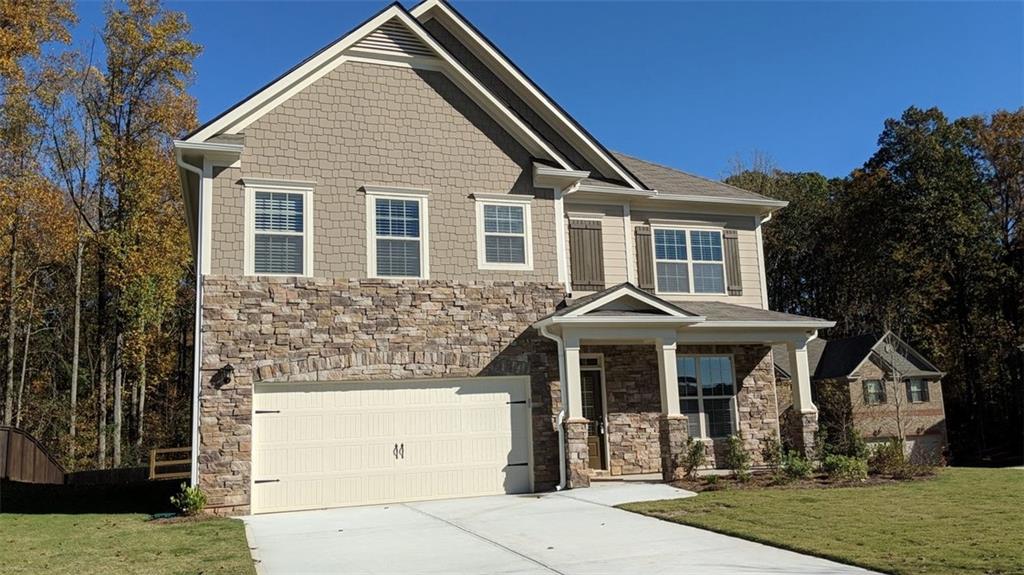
(634,402)
(288,329)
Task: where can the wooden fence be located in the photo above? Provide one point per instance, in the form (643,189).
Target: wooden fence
(162,468)
(24,459)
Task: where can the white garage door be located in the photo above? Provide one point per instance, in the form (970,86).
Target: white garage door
(319,445)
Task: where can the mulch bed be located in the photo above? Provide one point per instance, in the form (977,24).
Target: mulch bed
(763,480)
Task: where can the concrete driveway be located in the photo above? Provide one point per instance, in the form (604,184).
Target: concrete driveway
(571,532)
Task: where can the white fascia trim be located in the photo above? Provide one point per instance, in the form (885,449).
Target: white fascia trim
(769,324)
(395,191)
(694,319)
(527,85)
(545,176)
(321,64)
(765,203)
(624,291)
(194,146)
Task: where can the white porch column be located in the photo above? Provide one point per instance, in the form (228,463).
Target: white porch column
(574,409)
(800,376)
(803,423)
(668,378)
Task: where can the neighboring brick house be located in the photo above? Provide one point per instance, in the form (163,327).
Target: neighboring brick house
(880,385)
(420,278)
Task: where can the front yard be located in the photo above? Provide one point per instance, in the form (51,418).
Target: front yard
(962,521)
(121,543)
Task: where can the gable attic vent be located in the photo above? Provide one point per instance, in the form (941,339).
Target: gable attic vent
(393,37)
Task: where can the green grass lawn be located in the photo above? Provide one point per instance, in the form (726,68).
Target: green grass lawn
(121,543)
(962,521)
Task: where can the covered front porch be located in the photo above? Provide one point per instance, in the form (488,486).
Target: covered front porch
(642,374)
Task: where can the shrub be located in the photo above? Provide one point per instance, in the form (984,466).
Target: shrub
(771,454)
(796,466)
(190,500)
(736,458)
(888,458)
(693,457)
(843,468)
(846,442)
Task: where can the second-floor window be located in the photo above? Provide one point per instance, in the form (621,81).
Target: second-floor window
(278,228)
(874,391)
(503,232)
(917,390)
(398,237)
(689,261)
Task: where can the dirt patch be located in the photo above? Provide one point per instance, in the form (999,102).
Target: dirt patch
(183,519)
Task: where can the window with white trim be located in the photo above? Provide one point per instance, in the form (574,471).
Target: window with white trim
(688,261)
(278,234)
(503,233)
(707,394)
(398,237)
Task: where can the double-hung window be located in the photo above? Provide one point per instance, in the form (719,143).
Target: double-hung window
(503,232)
(689,261)
(707,394)
(917,390)
(278,235)
(397,233)
(874,391)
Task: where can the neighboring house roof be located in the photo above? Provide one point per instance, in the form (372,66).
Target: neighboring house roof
(668,181)
(838,358)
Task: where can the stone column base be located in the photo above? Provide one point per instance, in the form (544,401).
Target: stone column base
(577,454)
(673,442)
(807,428)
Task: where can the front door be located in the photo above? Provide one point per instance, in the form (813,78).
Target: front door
(593,410)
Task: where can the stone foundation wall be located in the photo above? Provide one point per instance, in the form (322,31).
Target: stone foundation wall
(289,329)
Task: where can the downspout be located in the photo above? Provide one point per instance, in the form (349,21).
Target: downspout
(197,347)
(565,399)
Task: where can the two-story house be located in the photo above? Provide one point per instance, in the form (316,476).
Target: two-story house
(419,277)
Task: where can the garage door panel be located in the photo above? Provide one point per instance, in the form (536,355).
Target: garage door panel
(332,445)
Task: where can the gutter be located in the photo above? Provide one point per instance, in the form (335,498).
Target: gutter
(565,401)
(197,335)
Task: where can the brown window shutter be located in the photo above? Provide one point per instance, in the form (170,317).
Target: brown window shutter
(586,255)
(731,247)
(644,258)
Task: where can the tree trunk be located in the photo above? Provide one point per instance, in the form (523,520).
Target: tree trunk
(24,356)
(118,386)
(141,416)
(101,395)
(11,292)
(74,353)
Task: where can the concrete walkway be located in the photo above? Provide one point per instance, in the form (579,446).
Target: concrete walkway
(562,533)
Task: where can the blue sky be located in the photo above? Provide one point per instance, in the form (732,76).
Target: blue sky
(688,84)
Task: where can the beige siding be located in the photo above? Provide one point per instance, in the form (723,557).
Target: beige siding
(747,241)
(369,124)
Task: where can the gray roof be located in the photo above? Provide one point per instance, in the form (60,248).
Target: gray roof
(672,181)
(721,311)
(711,310)
(840,357)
